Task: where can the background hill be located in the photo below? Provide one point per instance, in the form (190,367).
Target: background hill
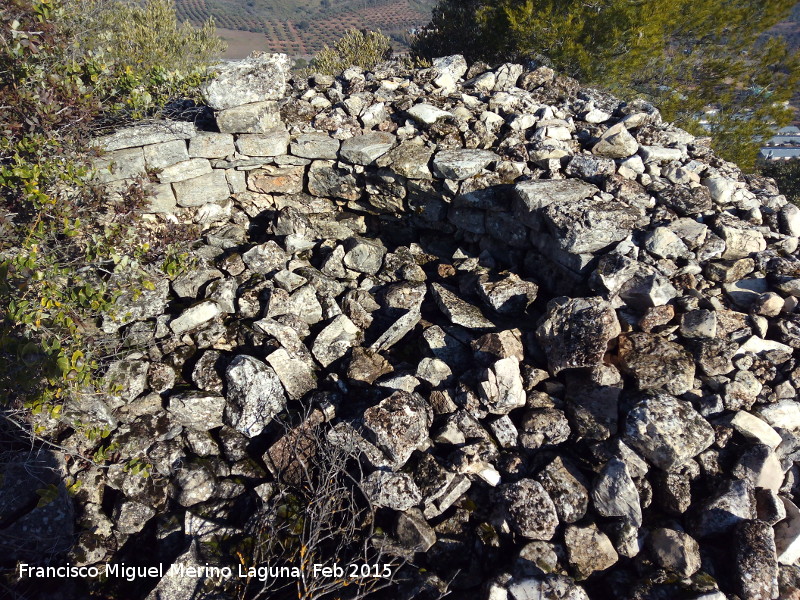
(302,27)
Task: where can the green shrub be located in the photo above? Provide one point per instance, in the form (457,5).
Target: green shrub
(69,66)
(786,174)
(355,48)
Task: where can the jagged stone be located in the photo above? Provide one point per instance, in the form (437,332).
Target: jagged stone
(408,160)
(567,487)
(197,410)
(615,495)
(254,395)
(252,79)
(734,503)
(755,564)
(616,142)
(296,375)
(575,332)
(543,427)
(195,484)
(528,509)
(589,550)
(655,363)
(460,312)
(335,340)
(427,113)
(400,424)
(667,431)
(501,390)
(674,551)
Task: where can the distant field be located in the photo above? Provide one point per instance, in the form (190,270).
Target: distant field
(302,27)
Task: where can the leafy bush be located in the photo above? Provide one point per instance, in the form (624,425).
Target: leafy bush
(69,66)
(355,48)
(150,57)
(786,174)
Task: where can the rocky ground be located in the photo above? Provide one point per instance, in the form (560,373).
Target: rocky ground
(554,337)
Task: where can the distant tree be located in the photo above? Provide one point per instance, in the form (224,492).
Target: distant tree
(683,55)
(786,174)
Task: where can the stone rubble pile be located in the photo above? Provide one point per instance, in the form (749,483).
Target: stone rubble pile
(560,331)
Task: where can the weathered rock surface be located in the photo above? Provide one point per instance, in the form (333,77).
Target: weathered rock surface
(554,336)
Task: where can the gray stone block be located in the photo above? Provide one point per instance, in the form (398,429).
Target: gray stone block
(211,187)
(258,117)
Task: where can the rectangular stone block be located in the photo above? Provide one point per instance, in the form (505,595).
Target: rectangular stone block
(119,164)
(161,199)
(188,169)
(209,144)
(237,180)
(271,143)
(159,156)
(211,187)
(145,134)
(276,180)
(258,117)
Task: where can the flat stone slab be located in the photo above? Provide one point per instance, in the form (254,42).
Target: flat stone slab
(146,134)
(460,312)
(315,146)
(366,149)
(211,187)
(461,164)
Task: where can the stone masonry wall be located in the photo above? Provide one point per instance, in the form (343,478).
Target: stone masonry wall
(562,333)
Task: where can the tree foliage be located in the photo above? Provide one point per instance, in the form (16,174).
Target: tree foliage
(355,48)
(683,55)
(786,174)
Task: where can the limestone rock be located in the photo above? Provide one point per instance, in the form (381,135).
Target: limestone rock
(460,312)
(589,550)
(253,79)
(254,395)
(655,363)
(400,424)
(528,508)
(674,551)
(575,332)
(667,431)
(461,164)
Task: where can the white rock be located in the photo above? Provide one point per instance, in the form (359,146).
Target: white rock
(784,414)
(652,154)
(195,316)
(754,428)
(427,113)
(787,535)
(756,345)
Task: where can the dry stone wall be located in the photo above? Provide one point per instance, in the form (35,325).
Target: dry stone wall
(562,333)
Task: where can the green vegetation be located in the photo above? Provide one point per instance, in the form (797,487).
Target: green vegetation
(682,55)
(356,48)
(70,66)
(786,174)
